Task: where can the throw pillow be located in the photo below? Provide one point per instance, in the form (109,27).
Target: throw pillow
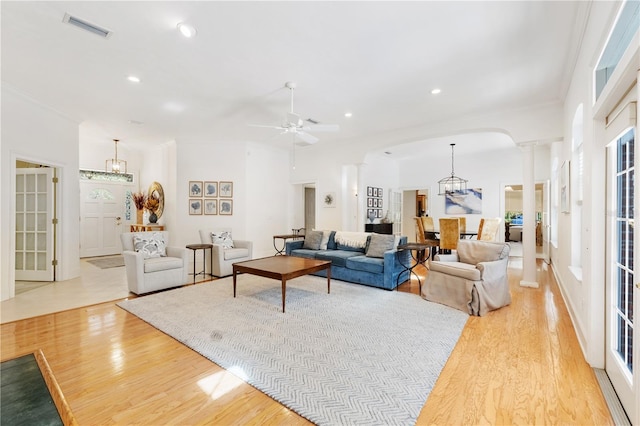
(312,240)
(379,244)
(325,240)
(222,239)
(152,246)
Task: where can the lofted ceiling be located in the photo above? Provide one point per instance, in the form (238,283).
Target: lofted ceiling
(377,60)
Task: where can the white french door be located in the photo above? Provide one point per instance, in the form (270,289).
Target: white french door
(34,224)
(622,295)
(102,208)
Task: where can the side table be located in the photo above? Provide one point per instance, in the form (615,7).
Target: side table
(284,238)
(203,247)
(423,251)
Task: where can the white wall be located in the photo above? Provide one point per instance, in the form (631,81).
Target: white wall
(36,133)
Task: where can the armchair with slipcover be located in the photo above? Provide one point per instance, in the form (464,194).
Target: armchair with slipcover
(473,279)
(151,264)
(226,251)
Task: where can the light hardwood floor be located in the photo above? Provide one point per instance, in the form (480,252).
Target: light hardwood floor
(519,365)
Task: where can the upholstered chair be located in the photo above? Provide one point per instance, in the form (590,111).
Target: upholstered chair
(473,279)
(463,223)
(151,264)
(427,223)
(488,229)
(419,230)
(226,251)
(449,233)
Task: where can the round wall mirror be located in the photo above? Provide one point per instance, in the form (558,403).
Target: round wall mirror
(156,191)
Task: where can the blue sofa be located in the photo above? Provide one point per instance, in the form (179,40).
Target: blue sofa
(351,264)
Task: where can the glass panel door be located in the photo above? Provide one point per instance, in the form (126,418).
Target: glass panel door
(620,285)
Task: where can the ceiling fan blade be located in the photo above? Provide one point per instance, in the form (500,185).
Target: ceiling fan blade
(266,126)
(307,138)
(322,128)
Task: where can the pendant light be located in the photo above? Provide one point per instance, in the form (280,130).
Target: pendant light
(114,165)
(452,184)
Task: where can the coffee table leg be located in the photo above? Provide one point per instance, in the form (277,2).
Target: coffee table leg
(284,292)
(234,281)
(329,281)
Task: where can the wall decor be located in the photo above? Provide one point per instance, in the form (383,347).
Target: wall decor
(565,189)
(210,206)
(195,188)
(210,189)
(369,191)
(464,203)
(329,199)
(226,189)
(225,207)
(195,206)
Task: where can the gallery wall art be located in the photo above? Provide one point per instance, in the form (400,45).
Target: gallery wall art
(210,197)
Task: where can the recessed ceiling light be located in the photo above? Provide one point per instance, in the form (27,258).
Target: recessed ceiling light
(133,79)
(348,114)
(187,30)
(435,91)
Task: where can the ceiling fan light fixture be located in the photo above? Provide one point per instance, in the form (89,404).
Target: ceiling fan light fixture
(187,30)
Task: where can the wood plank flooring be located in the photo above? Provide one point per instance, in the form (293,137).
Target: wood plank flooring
(519,365)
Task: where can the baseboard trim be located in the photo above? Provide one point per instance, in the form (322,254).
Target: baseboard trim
(615,408)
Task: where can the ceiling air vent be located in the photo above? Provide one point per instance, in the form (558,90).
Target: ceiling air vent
(86,26)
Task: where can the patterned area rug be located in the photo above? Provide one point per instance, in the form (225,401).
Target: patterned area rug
(359,355)
(107,262)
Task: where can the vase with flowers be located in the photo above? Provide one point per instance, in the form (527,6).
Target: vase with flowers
(152,203)
(139,200)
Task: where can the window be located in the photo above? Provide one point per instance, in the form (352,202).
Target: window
(626,26)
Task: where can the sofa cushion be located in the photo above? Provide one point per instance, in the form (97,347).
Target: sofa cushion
(235,253)
(156,264)
(367,264)
(474,251)
(380,243)
(309,254)
(337,257)
(150,246)
(222,239)
(312,240)
(459,269)
(324,244)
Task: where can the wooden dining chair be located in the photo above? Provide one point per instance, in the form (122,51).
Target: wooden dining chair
(449,233)
(488,229)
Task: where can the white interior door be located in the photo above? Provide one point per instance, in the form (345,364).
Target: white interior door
(34,224)
(101,209)
(621,293)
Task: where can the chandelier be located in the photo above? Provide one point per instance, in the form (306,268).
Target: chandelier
(114,165)
(452,184)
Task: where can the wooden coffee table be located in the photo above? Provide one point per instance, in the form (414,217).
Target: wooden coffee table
(282,268)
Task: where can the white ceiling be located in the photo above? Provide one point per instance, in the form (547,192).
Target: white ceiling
(378,60)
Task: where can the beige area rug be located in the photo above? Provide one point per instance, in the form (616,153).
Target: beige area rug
(357,356)
(107,262)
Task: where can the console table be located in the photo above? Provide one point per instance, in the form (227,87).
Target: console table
(379,228)
(138,227)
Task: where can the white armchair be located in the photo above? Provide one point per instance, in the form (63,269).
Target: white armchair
(472,279)
(224,258)
(146,274)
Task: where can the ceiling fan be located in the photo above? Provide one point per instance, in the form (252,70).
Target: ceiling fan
(298,128)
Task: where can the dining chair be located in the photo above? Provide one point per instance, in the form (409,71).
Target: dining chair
(420,230)
(449,233)
(488,229)
(427,223)
(463,223)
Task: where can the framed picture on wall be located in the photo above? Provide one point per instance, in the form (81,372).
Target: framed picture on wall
(225,207)
(195,188)
(369,191)
(210,189)
(195,206)
(226,189)
(210,206)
